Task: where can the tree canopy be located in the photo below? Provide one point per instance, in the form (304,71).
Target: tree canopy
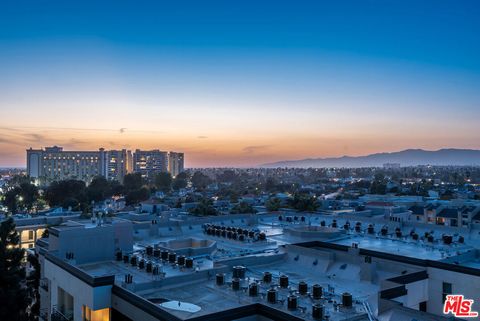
(163,182)
(133,181)
(21,195)
(100,189)
(14,296)
(67,193)
(180,181)
(200,181)
(243,208)
(204,208)
(303,203)
(273,204)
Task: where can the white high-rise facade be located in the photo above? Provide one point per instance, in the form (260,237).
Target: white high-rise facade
(53,163)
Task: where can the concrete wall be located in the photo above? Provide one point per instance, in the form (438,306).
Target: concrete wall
(130,310)
(123,236)
(83,294)
(88,244)
(417,292)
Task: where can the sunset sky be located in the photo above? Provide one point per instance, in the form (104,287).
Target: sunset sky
(239,83)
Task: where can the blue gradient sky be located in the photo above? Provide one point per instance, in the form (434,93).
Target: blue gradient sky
(238,84)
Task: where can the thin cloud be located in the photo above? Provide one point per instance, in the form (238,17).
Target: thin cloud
(121,130)
(10,129)
(255,149)
(34,138)
(74,141)
(202,137)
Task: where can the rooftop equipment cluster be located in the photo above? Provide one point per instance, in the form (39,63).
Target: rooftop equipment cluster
(234,233)
(152,260)
(429,237)
(282,293)
(291,219)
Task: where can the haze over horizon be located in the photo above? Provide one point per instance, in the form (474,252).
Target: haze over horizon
(239,85)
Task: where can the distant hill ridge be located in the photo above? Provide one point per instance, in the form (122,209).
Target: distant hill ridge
(408,157)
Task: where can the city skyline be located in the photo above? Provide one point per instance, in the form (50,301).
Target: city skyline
(239,86)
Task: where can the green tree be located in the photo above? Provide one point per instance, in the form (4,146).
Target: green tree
(21,195)
(271,185)
(303,203)
(200,181)
(68,193)
(204,208)
(14,296)
(136,196)
(33,282)
(99,189)
(379,184)
(243,208)
(180,181)
(133,181)
(11,199)
(28,194)
(228,193)
(273,204)
(163,182)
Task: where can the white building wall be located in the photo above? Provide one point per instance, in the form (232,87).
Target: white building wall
(417,293)
(83,294)
(465,284)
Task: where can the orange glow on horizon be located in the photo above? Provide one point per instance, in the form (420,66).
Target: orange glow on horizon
(229,150)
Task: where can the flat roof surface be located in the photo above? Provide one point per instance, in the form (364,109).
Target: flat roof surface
(119,269)
(408,248)
(273,228)
(333,272)
(212,298)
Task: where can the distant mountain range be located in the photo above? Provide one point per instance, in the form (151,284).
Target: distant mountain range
(409,157)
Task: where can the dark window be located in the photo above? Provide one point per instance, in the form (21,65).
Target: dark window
(30,235)
(446,289)
(423,306)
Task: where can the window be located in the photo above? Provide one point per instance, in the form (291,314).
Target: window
(423,306)
(30,235)
(446,289)
(95,315)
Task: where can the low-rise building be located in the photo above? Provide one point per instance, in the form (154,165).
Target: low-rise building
(251,267)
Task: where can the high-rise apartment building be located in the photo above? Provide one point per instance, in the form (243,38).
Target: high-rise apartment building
(175,163)
(53,163)
(118,164)
(150,162)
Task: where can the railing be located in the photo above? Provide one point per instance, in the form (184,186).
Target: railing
(371,316)
(59,316)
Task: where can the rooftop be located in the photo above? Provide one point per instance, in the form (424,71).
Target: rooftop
(280,245)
